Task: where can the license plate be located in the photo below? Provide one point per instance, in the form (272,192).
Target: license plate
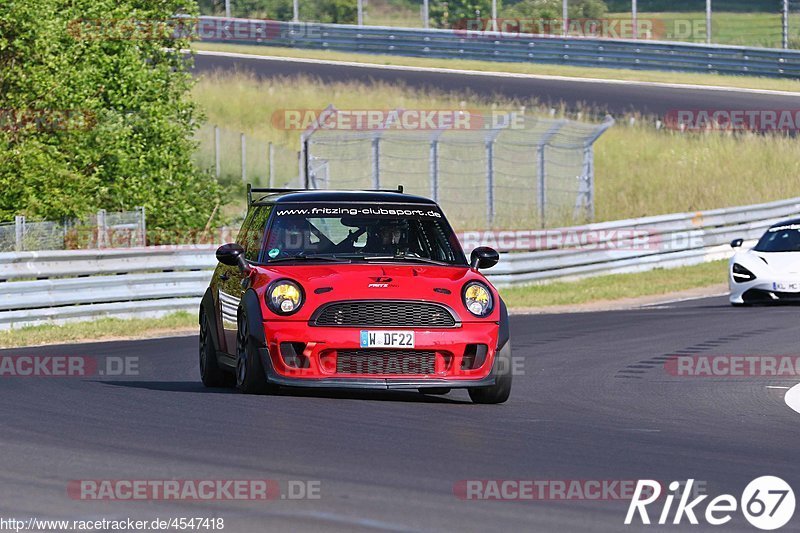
(786,286)
(387,339)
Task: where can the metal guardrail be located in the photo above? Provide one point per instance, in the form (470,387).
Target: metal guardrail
(38,287)
(59,286)
(647,243)
(488,46)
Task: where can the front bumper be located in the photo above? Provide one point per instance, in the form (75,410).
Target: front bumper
(762,291)
(456,365)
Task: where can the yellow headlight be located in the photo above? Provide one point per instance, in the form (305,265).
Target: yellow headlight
(285,297)
(478,299)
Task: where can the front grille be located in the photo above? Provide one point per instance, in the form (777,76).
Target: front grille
(385,314)
(386,362)
(762,296)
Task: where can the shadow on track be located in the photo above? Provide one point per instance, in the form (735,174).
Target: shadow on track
(380,395)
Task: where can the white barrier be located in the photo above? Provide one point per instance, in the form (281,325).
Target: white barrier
(59,286)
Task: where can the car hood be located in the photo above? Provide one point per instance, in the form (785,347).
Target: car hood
(323,283)
(776,262)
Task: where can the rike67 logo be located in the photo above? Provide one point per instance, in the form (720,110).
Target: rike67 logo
(767,503)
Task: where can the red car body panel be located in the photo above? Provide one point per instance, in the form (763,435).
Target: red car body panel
(359,282)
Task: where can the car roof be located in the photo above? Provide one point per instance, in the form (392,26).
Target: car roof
(333,196)
(792,222)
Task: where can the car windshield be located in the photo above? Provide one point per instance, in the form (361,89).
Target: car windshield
(409,233)
(780,239)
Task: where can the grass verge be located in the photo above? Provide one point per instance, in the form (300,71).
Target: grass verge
(616,286)
(639,170)
(745,82)
(602,288)
(96,330)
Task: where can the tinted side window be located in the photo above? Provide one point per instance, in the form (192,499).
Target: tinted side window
(253,230)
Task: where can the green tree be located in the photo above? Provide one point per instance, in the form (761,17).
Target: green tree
(456,13)
(95,112)
(552,9)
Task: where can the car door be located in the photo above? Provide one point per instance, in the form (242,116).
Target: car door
(232,282)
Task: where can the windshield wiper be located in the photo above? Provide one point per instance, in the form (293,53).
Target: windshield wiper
(406,258)
(310,257)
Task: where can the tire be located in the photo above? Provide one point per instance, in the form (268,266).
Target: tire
(250,378)
(210,372)
(501,390)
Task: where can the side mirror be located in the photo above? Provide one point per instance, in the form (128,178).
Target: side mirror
(232,254)
(483,257)
(737,243)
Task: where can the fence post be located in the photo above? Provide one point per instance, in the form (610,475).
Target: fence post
(376,162)
(434,168)
(785,24)
(19,233)
(271,179)
(425,17)
(142,226)
(216,152)
(585,197)
(635,18)
(101,228)
(490,182)
(708,21)
(305,137)
(244,157)
(541,173)
(588,162)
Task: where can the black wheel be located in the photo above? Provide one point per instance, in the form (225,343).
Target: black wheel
(210,372)
(250,378)
(501,390)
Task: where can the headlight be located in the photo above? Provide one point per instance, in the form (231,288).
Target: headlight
(284,297)
(741,274)
(478,299)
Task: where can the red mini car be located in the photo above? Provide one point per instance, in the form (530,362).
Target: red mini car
(353,289)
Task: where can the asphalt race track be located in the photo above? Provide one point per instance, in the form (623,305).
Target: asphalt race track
(594,403)
(613,97)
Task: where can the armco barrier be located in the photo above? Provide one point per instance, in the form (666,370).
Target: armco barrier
(37,287)
(462,44)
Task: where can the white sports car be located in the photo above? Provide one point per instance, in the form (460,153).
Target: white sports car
(769,272)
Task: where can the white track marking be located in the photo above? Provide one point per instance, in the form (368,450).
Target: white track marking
(497,74)
(792,398)
(777,387)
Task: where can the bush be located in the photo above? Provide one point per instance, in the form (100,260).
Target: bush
(331,11)
(97,115)
(552,9)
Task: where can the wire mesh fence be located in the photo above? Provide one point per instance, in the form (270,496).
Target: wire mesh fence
(536,173)
(761,23)
(233,155)
(123,229)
